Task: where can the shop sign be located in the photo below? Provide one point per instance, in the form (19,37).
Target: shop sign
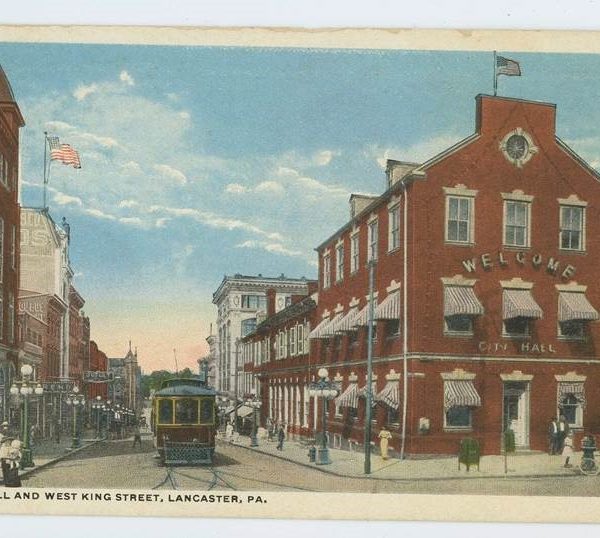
(97,376)
(551,265)
(35,308)
(58,386)
(525,347)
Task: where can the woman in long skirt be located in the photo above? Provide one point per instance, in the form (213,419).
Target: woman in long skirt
(384,439)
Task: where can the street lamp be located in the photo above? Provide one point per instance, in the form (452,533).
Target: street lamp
(25,388)
(255,403)
(98,406)
(327,390)
(75,399)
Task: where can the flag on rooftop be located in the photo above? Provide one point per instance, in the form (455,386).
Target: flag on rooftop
(506,66)
(65,154)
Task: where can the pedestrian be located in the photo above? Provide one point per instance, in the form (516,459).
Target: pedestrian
(553,438)
(563,431)
(271,428)
(567,450)
(229,432)
(137,435)
(280,437)
(384,439)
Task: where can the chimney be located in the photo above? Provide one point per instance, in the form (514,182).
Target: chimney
(271,292)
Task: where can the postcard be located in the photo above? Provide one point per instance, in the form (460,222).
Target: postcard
(276,273)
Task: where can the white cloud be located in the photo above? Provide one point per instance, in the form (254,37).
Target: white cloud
(171,173)
(104,141)
(125,77)
(131,167)
(65,199)
(128,203)
(99,214)
(58,125)
(184,115)
(82,91)
(172,96)
(270,186)
(311,184)
(162,222)
(212,220)
(323,158)
(274,248)
(235,188)
(133,221)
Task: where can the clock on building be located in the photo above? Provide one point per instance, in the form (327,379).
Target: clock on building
(517,146)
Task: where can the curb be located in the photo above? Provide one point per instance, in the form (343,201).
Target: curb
(473,476)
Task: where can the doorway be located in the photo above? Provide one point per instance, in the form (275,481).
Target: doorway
(516,411)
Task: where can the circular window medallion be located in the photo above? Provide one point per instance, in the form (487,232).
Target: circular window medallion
(517,146)
(236,300)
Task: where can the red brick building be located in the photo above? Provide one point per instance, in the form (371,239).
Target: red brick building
(10,123)
(486,292)
(98,363)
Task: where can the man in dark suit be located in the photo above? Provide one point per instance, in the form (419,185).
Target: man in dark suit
(553,442)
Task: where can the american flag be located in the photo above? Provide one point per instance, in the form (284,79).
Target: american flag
(506,66)
(53,142)
(65,154)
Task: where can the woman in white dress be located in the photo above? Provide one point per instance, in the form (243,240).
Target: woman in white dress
(384,439)
(568,449)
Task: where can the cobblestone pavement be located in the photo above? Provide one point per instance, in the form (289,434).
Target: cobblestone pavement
(116,465)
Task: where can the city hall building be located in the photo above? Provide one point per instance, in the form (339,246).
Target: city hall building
(486,295)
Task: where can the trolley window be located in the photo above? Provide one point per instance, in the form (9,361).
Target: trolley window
(186,411)
(206,411)
(165,411)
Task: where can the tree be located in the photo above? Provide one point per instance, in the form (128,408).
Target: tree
(153,381)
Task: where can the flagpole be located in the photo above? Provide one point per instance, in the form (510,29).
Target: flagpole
(45,165)
(495,76)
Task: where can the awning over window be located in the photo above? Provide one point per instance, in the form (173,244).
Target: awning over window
(319,330)
(390,395)
(389,307)
(460,393)
(362,392)
(575,389)
(574,306)
(346,324)
(461,301)
(331,329)
(362,318)
(242,411)
(348,398)
(520,304)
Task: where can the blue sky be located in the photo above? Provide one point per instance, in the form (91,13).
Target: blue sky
(199,162)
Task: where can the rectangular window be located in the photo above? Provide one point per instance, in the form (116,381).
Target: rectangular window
(570,407)
(458,324)
(13,248)
(373,238)
(254,302)
(392,328)
(572,330)
(394,228)
(165,411)
(393,415)
(354,253)
(248,326)
(516,327)
(571,228)
(300,333)
(11,317)
(186,411)
(292,334)
(339,263)
(516,223)
(326,271)
(458,417)
(459,219)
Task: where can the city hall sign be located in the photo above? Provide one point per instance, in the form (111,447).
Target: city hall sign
(551,265)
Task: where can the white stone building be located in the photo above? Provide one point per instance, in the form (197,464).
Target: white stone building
(241,300)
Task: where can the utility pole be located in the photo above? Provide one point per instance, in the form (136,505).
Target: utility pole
(369,395)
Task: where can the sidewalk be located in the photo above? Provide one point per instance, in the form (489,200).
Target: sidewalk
(351,464)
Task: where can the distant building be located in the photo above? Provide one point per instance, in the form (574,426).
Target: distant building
(125,388)
(241,303)
(98,364)
(211,359)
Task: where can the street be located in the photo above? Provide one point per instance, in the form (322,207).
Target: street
(116,465)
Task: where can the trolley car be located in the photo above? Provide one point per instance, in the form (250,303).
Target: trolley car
(184,421)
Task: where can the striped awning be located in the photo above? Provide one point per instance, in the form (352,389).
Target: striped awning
(362,318)
(331,329)
(348,398)
(574,389)
(362,391)
(389,307)
(319,330)
(461,301)
(390,395)
(460,393)
(520,304)
(574,306)
(346,324)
